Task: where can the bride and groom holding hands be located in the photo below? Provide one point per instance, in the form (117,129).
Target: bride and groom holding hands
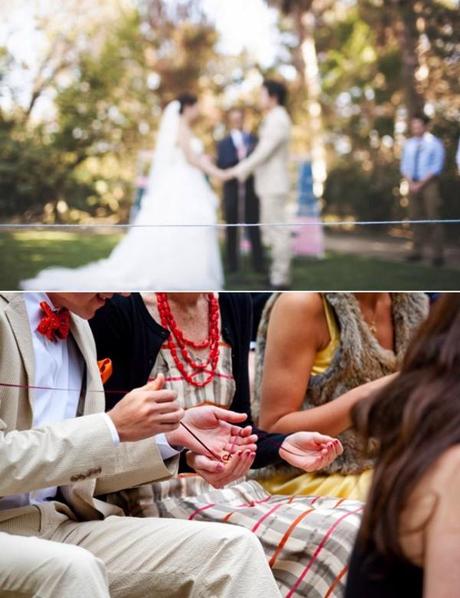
(174,243)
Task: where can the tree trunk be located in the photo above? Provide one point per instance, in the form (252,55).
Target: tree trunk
(407,34)
(307,65)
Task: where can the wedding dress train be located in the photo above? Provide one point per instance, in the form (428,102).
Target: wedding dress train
(153,256)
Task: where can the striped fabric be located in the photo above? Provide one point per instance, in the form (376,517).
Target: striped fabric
(307,540)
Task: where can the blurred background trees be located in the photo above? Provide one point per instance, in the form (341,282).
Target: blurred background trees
(74,119)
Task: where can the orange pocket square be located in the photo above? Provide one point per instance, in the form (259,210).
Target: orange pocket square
(105,369)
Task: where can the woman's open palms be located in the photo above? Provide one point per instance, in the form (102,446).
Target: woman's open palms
(310,451)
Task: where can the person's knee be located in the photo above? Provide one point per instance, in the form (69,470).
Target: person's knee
(78,562)
(234,536)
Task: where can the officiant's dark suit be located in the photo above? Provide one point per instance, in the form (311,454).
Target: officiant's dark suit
(241,203)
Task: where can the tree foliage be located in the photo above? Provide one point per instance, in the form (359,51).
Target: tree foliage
(380,62)
(106,107)
(68,147)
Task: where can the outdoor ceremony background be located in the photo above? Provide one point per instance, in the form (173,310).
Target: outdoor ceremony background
(83,85)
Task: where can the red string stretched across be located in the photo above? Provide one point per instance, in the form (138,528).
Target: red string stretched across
(224,458)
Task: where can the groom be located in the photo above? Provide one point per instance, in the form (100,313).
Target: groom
(269,163)
(61,454)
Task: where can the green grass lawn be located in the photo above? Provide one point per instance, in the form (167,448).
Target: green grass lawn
(23,254)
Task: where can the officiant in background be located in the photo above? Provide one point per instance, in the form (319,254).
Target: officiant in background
(240,200)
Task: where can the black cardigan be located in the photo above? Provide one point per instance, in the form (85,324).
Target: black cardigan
(126,333)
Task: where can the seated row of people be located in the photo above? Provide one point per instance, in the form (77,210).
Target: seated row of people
(61,454)
(336,364)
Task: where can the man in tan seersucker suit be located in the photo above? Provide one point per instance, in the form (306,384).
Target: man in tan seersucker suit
(269,162)
(60,454)
(44,569)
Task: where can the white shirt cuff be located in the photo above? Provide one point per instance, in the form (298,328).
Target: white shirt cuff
(166,450)
(112,428)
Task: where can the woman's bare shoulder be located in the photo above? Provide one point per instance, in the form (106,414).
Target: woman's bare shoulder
(304,305)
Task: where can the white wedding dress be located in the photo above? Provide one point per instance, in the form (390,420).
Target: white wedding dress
(164,258)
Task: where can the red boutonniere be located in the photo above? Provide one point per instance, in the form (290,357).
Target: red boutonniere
(55,324)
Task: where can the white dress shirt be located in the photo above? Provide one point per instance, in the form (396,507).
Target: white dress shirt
(59,368)
(239,142)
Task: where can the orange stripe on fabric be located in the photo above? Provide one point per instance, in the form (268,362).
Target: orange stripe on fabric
(336,582)
(319,548)
(227,516)
(287,534)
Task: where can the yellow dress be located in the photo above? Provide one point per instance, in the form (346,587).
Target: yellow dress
(352,486)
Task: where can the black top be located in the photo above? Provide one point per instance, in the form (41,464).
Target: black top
(371,576)
(126,333)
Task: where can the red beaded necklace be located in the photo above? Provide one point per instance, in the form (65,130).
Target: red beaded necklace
(177,340)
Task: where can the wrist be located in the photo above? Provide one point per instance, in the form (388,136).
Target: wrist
(176,439)
(116,424)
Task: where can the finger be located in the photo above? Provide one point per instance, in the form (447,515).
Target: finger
(322,438)
(339,447)
(161,396)
(233,448)
(204,463)
(170,418)
(165,428)
(236,442)
(235,472)
(234,469)
(231,417)
(244,464)
(243,441)
(316,463)
(329,453)
(331,450)
(168,407)
(242,432)
(221,479)
(156,384)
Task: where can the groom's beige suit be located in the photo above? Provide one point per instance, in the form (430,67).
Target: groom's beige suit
(142,557)
(270,164)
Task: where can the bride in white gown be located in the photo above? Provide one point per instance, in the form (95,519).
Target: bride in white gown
(160,258)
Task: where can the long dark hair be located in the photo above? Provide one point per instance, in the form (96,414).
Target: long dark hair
(186,99)
(413,421)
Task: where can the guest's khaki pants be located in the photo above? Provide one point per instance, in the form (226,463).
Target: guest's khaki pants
(426,205)
(43,569)
(168,558)
(273,210)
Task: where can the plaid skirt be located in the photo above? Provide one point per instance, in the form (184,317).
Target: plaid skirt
(307,539)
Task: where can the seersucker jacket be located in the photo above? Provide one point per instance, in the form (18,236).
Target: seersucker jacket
(270,159)
(77,455)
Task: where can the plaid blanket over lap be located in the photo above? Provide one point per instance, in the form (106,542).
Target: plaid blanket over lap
(307,539)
